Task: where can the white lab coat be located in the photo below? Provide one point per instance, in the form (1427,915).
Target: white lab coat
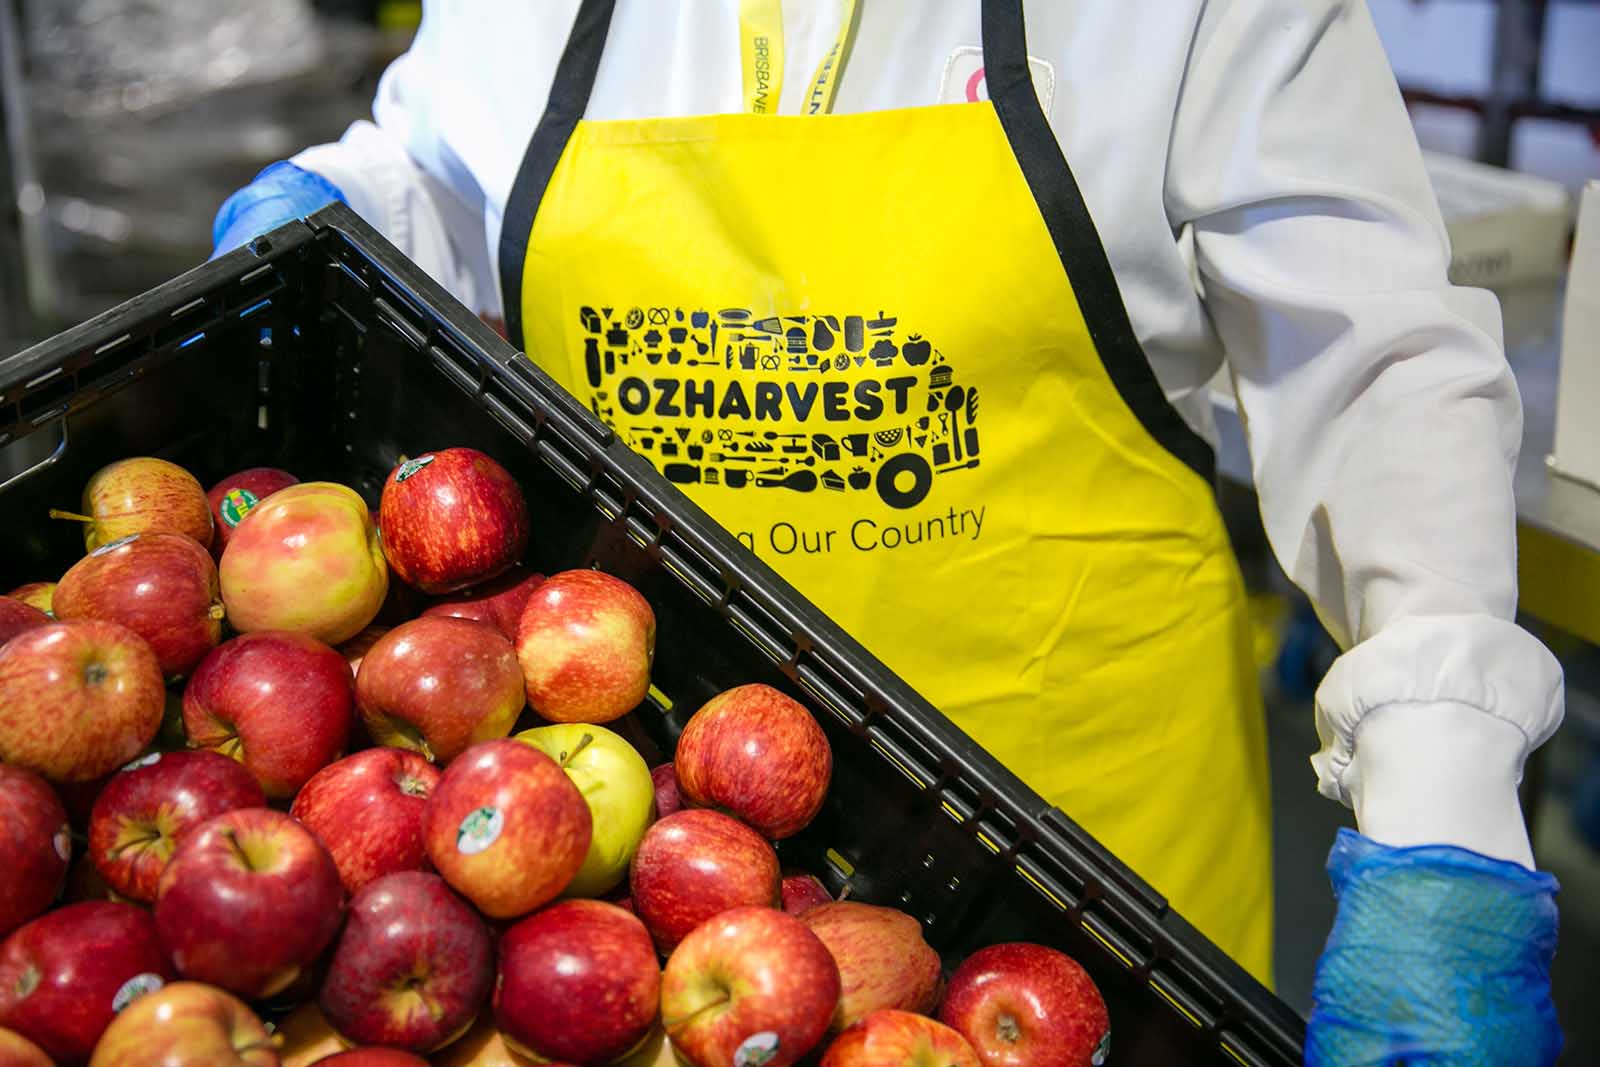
(1252,172)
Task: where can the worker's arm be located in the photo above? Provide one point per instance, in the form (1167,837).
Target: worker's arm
(1384,426)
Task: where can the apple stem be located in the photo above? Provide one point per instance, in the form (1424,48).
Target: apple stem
(583,743)
(844,894)
(673,1024)
(145,838)
(217,611)
(274,1040)
(57,513)
(238,849)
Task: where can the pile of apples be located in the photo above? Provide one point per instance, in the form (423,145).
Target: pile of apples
(296,794)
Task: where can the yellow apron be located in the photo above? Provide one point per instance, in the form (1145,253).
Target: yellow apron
(887,351)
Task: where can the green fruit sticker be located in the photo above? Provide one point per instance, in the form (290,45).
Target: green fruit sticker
(411,467)
(479,830)
(758,1050)
(236,504)
(134,988)
(149,759)
(1102,1051)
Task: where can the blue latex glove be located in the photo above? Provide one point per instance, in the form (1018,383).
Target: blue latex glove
(281,193)
(1438,956)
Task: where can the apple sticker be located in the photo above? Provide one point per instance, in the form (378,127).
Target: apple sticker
(757,1050)
(134,988)
(479,830)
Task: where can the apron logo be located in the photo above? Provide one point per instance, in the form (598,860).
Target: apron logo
(804,403)
(964,80)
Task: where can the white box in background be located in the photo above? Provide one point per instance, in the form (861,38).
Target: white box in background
(1505,228)
(1577,448)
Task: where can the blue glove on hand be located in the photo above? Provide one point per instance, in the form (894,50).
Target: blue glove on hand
(281,193)
(1438,956)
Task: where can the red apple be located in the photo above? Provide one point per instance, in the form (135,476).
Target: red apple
(802,892)
(438,685)
(412,967)
(366,809)
(306,559)
(236,496)
(142,495)
(163,587)
(372,1057)
(186,1024)
(694,864)
(506,827)
(144,813)
(36,843)
(18,1051)
(1019,1003)
(883,961)
(356,649)
(578,982)
(585,642)
(451,519)
(751,985)
(78,699)
(498,602)
(248,900)
(16,616)
(280,703)
(35,594)
(759,755)
(890,1038)
(64,975)
(666,783)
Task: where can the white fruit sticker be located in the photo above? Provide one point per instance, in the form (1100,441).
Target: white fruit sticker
(63,843)
(134,988)
(411,467)
(758,1050)
(479,830)
(1102,1051)
(118,543)
(148,760)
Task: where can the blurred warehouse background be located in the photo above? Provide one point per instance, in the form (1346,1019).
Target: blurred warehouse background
(124,123)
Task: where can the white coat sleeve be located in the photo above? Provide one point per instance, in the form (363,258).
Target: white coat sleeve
(1381,414)
(397,173)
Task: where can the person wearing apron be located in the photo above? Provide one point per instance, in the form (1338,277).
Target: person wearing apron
(887,350)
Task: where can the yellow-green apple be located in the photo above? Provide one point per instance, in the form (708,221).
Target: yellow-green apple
(438,685)
(883,961)
(1022,1003)
(615,781)
(18,1051)
(278,702)
(306,1037)
(585,642)
(16,616)
(235,496)
(695,864)
(147,809)
(161,586)
(654,1051)
(498,602)
(141,495)
(248,900)
(758,754)
(186,1024)
(64,975)
(665,782)
(482,1046)
(78,699)
(373,1057)
(891,1038)
(802,892)
(578,982)
(451,519)
(751,985)
(307,559)
(366,809)
(35,594)
(36,843)
(506,827)
(356,649)
(412,967)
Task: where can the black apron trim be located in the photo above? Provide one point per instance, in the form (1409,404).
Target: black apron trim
(1066,216)
(569,98)
(1033,143)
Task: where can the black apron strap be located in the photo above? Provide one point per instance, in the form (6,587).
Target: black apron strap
(569,98)
(1066,216)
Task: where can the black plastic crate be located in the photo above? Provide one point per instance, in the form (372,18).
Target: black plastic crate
(320,349)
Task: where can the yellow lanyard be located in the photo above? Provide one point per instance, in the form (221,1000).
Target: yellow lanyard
(761,57)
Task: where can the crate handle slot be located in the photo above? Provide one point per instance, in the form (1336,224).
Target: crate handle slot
(49,461)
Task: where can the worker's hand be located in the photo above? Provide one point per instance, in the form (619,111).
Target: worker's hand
(281,193)
(1438,956)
